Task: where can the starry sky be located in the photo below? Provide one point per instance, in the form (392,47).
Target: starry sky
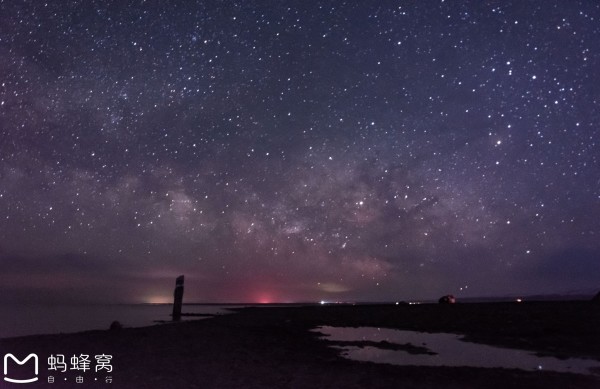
(284,151)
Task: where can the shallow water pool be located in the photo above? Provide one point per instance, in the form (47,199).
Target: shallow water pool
(441,349)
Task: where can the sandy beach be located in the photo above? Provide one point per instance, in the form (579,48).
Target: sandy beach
(274,347)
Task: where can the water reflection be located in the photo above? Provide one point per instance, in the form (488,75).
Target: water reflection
(382,345)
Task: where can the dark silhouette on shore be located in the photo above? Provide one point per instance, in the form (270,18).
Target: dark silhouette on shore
(178,298)
(447,299)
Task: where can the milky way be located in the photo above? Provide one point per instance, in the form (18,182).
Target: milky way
(298,150)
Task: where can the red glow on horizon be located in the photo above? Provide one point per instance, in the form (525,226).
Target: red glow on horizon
(264,298)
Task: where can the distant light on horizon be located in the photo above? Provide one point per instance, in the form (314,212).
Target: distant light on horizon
(158,300)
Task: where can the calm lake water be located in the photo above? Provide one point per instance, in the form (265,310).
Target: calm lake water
(33,319)
(447,350)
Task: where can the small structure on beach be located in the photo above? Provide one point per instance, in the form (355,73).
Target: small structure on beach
(178,298)
(447,299)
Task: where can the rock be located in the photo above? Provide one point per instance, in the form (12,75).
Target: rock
(447,299)
(596,298)
(115,326)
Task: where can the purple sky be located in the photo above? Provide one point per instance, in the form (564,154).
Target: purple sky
(298,150)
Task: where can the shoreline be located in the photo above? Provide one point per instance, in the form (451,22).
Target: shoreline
(273,347)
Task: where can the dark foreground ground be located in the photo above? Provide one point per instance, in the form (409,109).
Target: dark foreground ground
(273,348)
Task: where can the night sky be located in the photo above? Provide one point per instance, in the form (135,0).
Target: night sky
(281,151)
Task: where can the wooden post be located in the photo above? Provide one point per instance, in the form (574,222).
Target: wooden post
(178,298)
